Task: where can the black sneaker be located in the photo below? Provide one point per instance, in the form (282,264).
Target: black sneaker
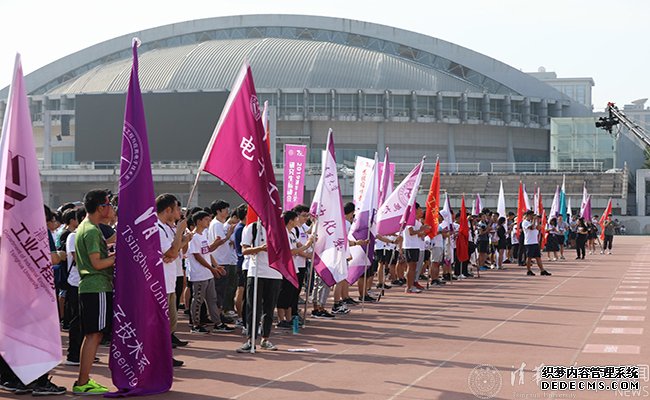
(47,389)
(350,301)
(177,363)
(530,273)
(178,342)
(545,273)
(284,325)
(438,282)
(397,282)
(403,280)
(326,315)
(226,319)
(222,328)
(367,299)
(199,329)
(15,387)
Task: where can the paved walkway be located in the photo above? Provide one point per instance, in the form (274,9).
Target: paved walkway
(433,345)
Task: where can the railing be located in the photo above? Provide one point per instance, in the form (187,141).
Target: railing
(310,168)
(541,167)
(450,168)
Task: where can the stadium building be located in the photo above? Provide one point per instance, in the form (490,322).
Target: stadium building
(374,85)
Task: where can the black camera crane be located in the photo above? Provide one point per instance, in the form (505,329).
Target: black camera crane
(615,117)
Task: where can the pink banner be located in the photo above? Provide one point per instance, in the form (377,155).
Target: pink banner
(30,340)
(238,155)
(295,158)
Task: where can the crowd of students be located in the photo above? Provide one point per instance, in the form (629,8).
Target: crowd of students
(210,258)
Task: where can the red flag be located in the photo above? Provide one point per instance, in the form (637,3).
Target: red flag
(542,232)
(521,208)
(462,244)
(251,215)
(603,218)
(238,155)
(540,206)
(433,202)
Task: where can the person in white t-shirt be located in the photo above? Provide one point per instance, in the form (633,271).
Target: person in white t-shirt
(172,240)
(201,271)
(75,335)
(530,227)
(413,244)
(269,281)
(437,252)
(301,232)
(220,231)
(288,292)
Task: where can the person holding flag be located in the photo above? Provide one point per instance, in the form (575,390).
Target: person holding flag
(607,228)
(530,227)
(413,244)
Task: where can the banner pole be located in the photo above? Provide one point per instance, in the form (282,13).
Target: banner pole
(253,325)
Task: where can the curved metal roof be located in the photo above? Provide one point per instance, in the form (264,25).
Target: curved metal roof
(491,75)
(276,63)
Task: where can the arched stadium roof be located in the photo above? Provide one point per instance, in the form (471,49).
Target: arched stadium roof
(294,50)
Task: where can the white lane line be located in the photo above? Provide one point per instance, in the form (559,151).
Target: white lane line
(618,331)
(634,318)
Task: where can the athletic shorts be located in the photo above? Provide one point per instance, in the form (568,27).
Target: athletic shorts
(533,251)
(412,255)
(241,278)
(96,312)
(386,256)
(436,254)
(483,246)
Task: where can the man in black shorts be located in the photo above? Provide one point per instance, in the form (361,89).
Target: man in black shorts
(531,243)
(95,287)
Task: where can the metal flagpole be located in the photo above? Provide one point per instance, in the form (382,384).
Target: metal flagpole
(308,288)
(373,213)
(254,326)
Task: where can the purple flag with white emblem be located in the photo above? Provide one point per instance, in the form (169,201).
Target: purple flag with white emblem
(140,354)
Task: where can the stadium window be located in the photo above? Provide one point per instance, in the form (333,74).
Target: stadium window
(292,103)
(496,109)
(399,105)
(516,108)
(474,108)
(318,103)
(373,105)
(426,106)
(450,107)
(346,105)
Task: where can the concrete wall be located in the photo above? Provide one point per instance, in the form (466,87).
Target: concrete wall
(635,225)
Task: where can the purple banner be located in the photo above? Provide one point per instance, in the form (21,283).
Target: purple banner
(140,355)
(295,157)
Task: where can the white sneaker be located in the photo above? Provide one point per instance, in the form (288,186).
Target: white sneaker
(602,252)
(609,252)
(555,259)
(461,276)
(413,290)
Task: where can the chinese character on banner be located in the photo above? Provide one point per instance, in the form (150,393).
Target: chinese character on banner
(248,147)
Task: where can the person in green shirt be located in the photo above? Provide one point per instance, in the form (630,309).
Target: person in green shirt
(95,287)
